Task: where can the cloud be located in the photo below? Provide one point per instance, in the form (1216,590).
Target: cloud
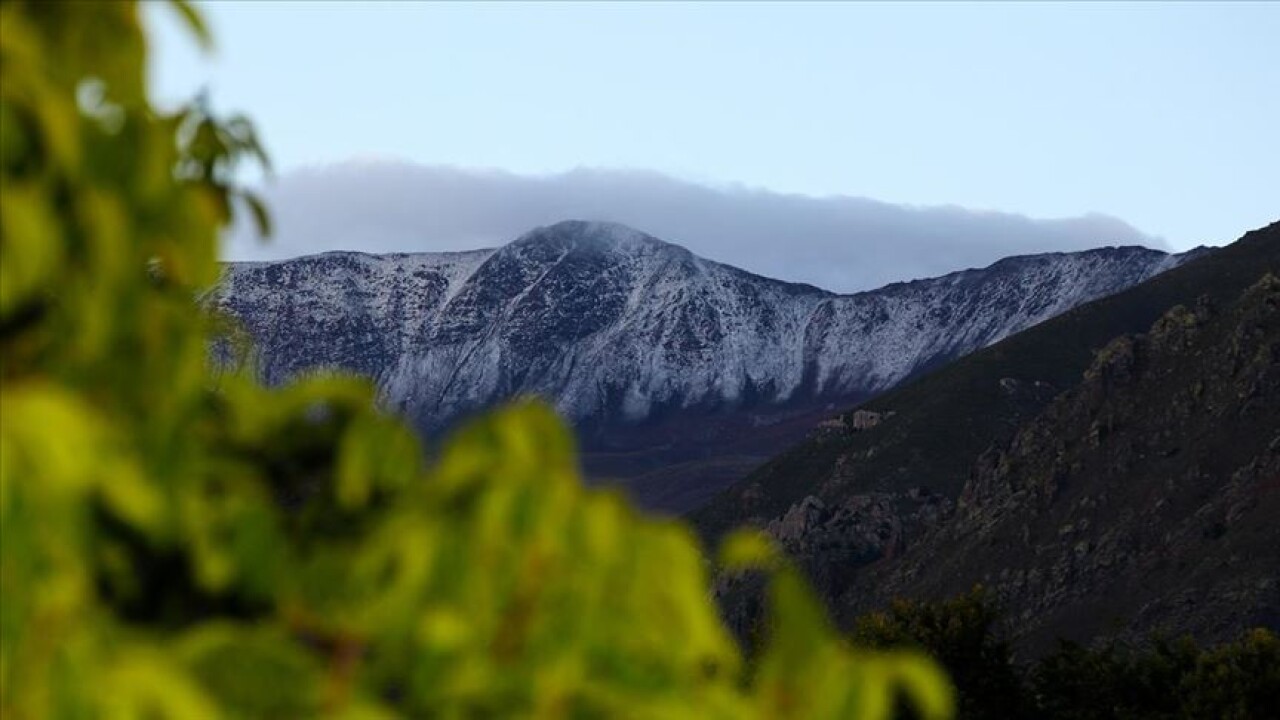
(839,243)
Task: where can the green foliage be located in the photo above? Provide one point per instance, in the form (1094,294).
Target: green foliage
(178,541)
(1171,679)
(1165,680)
(963,635)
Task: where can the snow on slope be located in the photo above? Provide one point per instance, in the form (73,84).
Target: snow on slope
(611,324)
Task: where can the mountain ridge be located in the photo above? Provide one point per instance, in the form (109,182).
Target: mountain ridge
(856,497)
(617,328)
(1144,498)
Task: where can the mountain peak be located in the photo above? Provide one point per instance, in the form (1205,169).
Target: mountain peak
(592,234)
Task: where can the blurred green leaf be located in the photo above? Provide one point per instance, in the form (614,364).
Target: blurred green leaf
(187,12)
(177,540)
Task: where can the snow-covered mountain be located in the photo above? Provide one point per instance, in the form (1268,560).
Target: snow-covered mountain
(613,325)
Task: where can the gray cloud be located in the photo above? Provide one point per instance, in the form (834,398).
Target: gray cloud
(839,243)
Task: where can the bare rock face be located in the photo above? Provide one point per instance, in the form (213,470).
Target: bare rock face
(833,541)
(864,419)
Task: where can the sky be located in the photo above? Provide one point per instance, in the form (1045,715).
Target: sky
(1161,115)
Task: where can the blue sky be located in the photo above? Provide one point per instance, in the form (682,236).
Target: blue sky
(1162,114)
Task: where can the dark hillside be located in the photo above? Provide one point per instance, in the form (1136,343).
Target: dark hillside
(1143,500)
(930,431)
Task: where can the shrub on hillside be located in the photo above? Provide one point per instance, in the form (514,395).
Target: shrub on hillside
(1161,680)
(1168,679)
(963,635)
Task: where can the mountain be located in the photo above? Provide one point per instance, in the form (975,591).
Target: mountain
(1144,499)
(1109,470)
(628,335)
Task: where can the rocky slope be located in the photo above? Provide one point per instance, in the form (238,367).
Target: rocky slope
(1073,508)
(1143,500)
(619,329)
